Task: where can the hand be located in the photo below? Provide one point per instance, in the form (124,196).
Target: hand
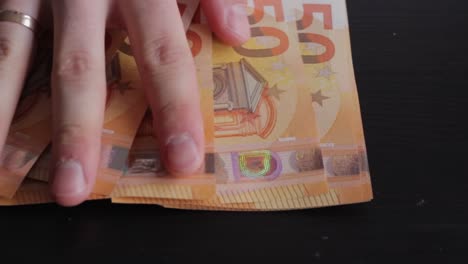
(164,60)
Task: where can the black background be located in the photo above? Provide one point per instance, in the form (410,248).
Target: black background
(410,60)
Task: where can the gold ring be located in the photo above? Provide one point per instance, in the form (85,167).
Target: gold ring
(20,18)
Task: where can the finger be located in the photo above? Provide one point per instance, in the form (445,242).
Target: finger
(16,50)
(169,77)
(78,95)
(228,19)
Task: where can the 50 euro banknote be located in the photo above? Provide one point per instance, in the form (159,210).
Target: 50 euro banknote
(146,175)
(266,134)
(326,53)
(321,30)
(127,107)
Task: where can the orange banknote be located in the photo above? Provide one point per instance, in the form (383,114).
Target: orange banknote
(260,92)
(41,169)
(266,135)
(125,108)
(330,198)
(187,10)
(342,153)
(34,192)
(146,175)
(323,31)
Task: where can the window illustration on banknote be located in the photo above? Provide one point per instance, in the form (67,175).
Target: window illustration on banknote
(242,105)
(343,165)
(307,160)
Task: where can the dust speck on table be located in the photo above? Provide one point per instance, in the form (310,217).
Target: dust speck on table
(421,203)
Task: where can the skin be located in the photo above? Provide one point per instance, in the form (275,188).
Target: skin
(164,60)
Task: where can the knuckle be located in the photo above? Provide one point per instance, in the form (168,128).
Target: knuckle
(163,52)
(174,116)
(74,65)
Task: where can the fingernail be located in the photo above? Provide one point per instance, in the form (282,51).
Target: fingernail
(69,179)
(182,154)
(236,20)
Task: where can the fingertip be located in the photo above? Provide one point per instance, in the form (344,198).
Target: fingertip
(228,20)
(180,133)
(69,185)
(183,156)
(237,24)
(233,38)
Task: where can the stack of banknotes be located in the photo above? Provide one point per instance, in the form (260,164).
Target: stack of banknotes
(282,119)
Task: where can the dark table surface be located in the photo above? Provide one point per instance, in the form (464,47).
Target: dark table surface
(411,68)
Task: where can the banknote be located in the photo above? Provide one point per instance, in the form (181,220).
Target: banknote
(322,31)
(30,192)
(266,135)
(146,175)
(126,110)
(322,200)
(41,169)
(334,197)
(34,192)
(326,53)
(199,17)
(187,10)
(260,93)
